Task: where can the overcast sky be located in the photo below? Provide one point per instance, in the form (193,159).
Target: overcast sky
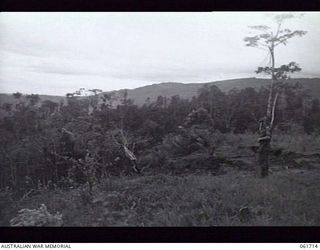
(56,53)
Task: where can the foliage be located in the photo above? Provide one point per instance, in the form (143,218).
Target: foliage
(35,149)
(71,155)
(36,217)
(268,39)
(234,199)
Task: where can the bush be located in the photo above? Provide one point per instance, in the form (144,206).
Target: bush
(36,217)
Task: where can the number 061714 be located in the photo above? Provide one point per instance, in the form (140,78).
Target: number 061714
(309,245)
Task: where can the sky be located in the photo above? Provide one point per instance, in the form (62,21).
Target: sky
(57,53)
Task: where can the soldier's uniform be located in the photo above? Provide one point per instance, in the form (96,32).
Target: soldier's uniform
(264,149)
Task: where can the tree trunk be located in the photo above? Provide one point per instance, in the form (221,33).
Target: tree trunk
(131,156)
(265,129)
(269,107)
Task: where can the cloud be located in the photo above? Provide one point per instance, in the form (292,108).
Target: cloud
(57,52)
(69,67)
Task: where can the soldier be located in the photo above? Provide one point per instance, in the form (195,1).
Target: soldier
(264,148)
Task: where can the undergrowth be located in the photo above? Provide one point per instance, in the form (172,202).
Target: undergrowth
(234,199)
(288,197)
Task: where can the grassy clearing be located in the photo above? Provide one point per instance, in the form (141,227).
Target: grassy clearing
(288,198)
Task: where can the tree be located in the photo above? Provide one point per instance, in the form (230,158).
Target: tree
(122,141)
(312,120)
(33,99)
(267,39)
(242,109)
(94,100)
(17,95)
(213,99)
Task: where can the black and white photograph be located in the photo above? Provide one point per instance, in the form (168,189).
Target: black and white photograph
(159,119)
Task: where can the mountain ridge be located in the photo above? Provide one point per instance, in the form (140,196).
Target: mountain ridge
(186,90)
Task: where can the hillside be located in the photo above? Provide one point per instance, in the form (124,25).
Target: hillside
(7,98)
(188,90)
(132,165)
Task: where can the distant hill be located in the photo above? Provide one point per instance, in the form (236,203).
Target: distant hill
(7,98)
(187,90)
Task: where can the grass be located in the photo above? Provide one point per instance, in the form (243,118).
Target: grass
(288,197)
(234,199)
(300,143)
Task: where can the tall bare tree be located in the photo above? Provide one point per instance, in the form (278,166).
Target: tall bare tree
(269,39)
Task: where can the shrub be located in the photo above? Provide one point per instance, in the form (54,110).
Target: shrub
(36,217)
